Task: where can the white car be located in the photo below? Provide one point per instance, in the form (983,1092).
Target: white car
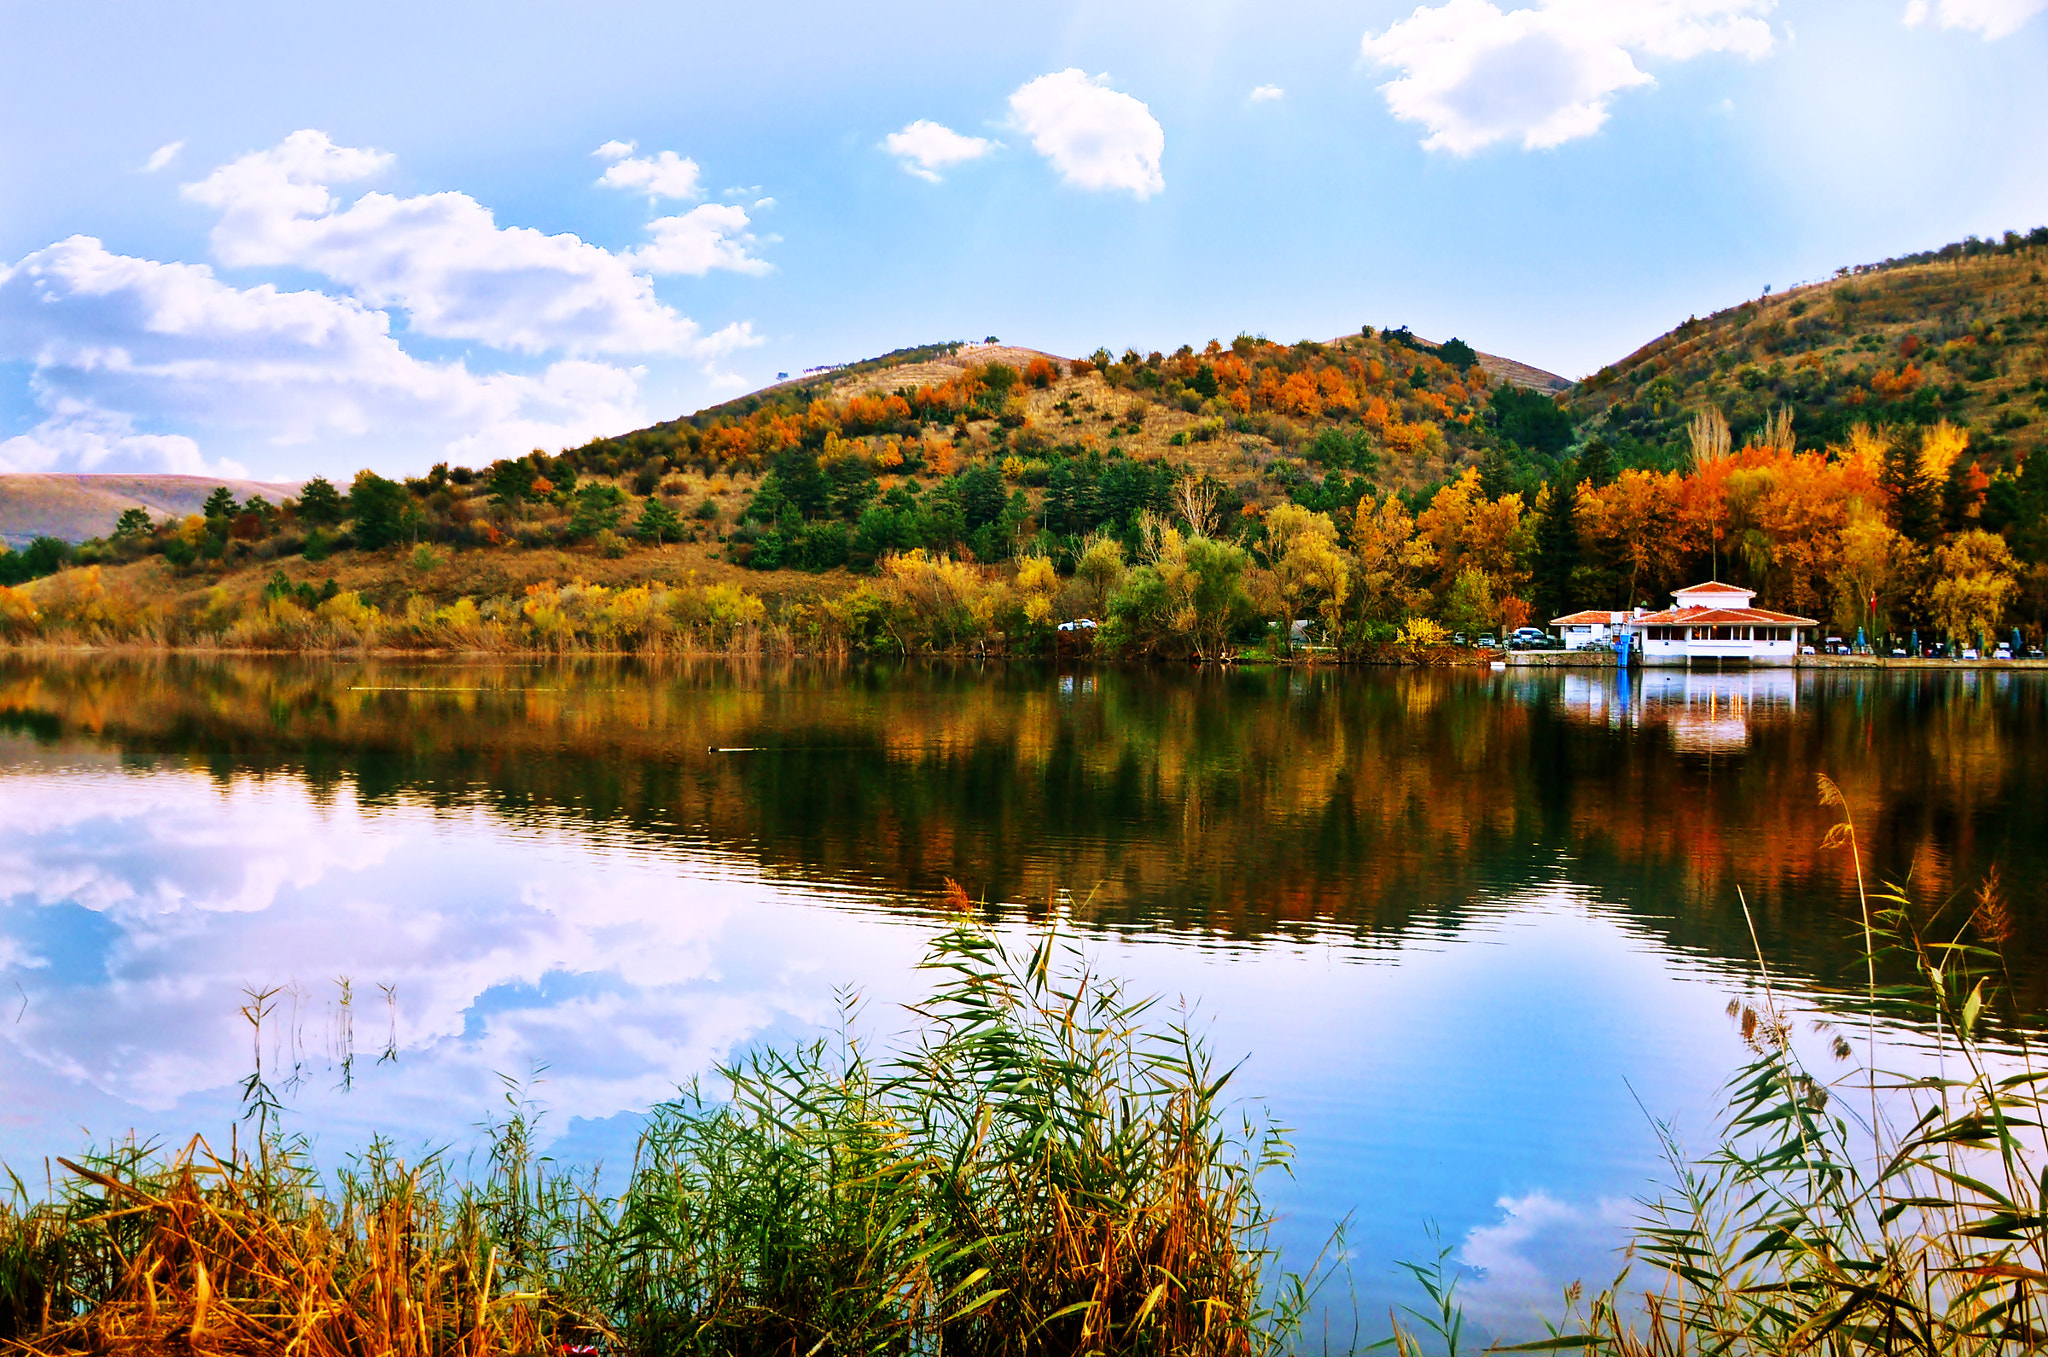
(1079,624)
(2004,652)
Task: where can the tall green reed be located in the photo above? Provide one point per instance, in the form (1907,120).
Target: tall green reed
(1851,1211)
(1044,1168)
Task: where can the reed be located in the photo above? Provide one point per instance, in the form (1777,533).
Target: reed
(1849,1211)
(1042,1169)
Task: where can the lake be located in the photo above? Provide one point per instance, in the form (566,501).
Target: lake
(1469,931)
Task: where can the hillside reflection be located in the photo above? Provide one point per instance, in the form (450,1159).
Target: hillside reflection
(1236,804)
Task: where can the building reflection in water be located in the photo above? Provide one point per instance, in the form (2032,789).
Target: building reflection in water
(1704,710)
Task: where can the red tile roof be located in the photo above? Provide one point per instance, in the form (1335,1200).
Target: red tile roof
(1720,617)
(1593,615)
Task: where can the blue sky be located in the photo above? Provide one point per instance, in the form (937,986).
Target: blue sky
(390,234)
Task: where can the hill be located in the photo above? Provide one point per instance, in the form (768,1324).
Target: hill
(1957,334)
(954,496)
(1437,424)
(76,508)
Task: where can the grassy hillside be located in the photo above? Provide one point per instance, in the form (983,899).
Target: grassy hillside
(1870,472)
(980,457)
(1959,334)
(986,448)
(74,508)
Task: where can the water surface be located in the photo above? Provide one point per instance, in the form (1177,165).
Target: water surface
(1469,930)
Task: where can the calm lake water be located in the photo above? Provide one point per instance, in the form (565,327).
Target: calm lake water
(1468,930)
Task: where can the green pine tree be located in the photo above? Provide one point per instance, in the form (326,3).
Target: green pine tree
(380,510)
(599,507)
(1557,545)
(220,505)
(1915,504)
(1596,463)
(134,522)
(320,503)
(657,523)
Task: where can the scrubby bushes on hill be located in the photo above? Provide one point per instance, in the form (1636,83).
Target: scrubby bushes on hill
(1955,334)
(1883,533)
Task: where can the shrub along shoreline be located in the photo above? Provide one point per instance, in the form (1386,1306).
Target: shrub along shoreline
(1189,601)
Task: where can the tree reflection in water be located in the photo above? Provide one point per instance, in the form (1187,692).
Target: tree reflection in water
(1230,804)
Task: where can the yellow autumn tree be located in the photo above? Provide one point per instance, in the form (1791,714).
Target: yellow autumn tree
(1037,584)
(1312,570)
(1940,446)
(1874,560)
(1974,579)
(1391,560)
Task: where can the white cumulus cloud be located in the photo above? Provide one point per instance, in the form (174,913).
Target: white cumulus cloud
(132,361)
(1991,18)
(112,339)
(664,175)
(1267,93)
(1096,137)
(162,156)
(713,236)
(1475,75)
(926,147)
(81,437)
(440,257)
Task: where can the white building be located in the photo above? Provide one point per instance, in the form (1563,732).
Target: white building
(1579,630)
(1714,621)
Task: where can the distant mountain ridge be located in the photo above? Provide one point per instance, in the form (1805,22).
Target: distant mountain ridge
(76,507)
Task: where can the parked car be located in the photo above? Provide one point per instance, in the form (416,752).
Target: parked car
(1970,653)
(1806,650)
(1489,642)
(1079,624)
(1897,653)
(2004,652)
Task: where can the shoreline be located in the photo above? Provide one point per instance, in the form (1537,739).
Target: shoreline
(1442,659)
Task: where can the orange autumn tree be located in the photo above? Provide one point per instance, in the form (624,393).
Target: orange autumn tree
(1634,522)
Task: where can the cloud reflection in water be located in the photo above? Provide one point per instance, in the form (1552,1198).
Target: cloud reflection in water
(137,909)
